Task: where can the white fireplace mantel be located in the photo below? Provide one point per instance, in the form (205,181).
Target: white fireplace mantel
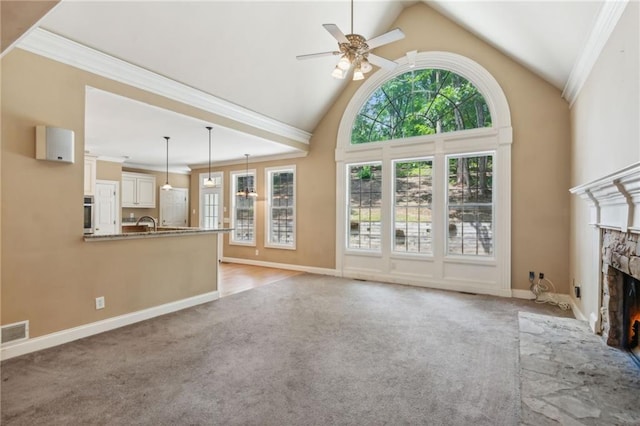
(614,199)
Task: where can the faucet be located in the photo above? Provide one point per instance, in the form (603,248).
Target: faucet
(155,224)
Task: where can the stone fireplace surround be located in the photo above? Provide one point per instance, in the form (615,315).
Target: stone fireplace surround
(620,253)
(614,202)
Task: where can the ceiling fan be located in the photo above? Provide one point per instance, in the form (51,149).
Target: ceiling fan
(355,51)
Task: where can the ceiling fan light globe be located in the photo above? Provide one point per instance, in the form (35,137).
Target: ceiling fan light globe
(338,73)
(358,75)
(365,66)
(344,63)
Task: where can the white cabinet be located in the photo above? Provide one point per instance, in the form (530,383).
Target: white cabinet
(90,163)
(138,190)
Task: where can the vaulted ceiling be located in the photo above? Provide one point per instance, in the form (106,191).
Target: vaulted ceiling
(244,51)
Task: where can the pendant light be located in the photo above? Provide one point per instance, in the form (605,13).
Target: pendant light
(247,192)
(166,186)
(209,183)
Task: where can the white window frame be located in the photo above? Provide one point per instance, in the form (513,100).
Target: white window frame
(234,175)
(490,257)
(473,273)
(347,219)
(268,174)
(394,161)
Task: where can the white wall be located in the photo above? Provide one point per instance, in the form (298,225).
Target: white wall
(605,124)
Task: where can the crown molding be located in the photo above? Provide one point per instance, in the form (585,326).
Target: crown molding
(606,21)
(173,170)
(61,49)
(254,159)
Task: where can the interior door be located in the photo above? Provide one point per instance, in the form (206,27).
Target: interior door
(107,207)
(174,207)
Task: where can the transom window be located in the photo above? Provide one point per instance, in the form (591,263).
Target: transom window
(281,207)
(420,102)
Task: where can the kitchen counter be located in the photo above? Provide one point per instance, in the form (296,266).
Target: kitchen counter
(161,232)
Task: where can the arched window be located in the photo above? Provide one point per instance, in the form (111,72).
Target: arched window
(423,166)
(420,102)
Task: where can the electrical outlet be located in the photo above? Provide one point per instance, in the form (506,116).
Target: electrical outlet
(257,252)
(100,302)
(532,275)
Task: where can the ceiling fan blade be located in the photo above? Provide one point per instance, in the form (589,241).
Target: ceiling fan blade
(336,33)
(317,55)
(381,62)
(386,38)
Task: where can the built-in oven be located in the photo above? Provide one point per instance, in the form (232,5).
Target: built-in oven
(89,213)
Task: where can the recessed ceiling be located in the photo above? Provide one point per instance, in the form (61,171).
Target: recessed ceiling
(123,129)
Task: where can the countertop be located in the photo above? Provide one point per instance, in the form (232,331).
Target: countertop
(161,232)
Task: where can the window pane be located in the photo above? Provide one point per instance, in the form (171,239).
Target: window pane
(281,222)
(470,196)
(412,210)
(243,210)
(420,102)
(210,210)
(365,206)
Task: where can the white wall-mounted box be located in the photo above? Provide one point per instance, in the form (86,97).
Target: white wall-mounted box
(54,144)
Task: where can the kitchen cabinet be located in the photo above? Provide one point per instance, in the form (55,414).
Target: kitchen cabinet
(138,190)
(90,163)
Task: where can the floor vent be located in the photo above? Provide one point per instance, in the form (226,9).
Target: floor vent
(15,332)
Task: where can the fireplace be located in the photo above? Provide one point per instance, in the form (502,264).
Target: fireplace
(621,290)
(631,315)
(614,213)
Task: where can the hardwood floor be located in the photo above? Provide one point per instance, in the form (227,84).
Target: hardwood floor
(235,278)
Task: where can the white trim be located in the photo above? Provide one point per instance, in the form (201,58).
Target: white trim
(86,330)
(58,48)
(614,200)
(461,65)
(606,21)
(478,287)
(175,170)
(267,206)
(575,308)
(290,267)
(498,139)
(254,159)
(232,194)
(522,294)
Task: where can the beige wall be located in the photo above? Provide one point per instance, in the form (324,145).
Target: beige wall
(50,276)
(540,164)
(18,17)
(605,138)
(71,273)
(108,170)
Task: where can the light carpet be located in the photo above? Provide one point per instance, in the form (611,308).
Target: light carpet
(310,350)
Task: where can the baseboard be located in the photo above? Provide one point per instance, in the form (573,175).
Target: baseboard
(477,287)
(301,268)
(577,312)
(523,294)
(65,336)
